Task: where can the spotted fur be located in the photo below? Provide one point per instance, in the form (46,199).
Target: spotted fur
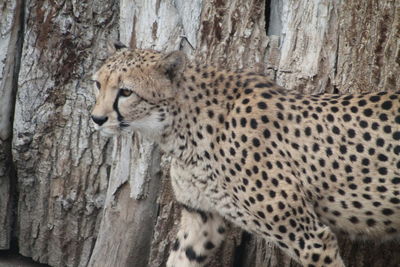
(295,169)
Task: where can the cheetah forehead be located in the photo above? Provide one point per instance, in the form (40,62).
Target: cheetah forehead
(131,61)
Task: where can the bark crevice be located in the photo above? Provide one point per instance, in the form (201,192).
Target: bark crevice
(13,169)
(13,59)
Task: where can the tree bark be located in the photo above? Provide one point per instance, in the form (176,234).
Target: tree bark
(130,208)
(10,43)
(369,46)
(62,164)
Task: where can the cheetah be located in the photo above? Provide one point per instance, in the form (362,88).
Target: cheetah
(295,169)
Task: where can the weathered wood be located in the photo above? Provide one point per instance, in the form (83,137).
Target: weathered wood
(309,39)
(233,34)
(130,212)
(10,26)
(369,46)
(62,163)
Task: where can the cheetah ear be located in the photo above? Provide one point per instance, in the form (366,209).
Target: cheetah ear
(113,47)
(172,64)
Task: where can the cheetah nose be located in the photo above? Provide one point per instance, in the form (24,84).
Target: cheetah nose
(99,120)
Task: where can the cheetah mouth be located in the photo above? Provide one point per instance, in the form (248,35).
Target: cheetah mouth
(111,130)
(107,132)
(123,125)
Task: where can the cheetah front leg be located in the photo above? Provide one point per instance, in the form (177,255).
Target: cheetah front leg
(199,235)
(307,239)
(321,249)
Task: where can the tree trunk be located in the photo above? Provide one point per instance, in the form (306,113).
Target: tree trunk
(62,164)
(10,43)
(84,200)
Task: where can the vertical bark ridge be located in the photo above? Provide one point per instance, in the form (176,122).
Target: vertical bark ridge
(8,89)
(62,173)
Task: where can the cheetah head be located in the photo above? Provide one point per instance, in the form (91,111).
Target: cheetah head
(133,89)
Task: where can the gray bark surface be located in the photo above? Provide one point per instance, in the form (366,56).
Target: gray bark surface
(369,46)
(62,164)
(10,25)
(128,219)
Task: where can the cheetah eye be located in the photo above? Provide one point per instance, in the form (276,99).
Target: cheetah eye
(124,92)
(97,84)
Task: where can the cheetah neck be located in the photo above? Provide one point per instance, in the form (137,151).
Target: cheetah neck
(193,110)
(204,99)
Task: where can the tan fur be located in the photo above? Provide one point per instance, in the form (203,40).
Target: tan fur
(292,168)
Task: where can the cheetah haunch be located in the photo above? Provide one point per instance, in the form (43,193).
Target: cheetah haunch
(291,168)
